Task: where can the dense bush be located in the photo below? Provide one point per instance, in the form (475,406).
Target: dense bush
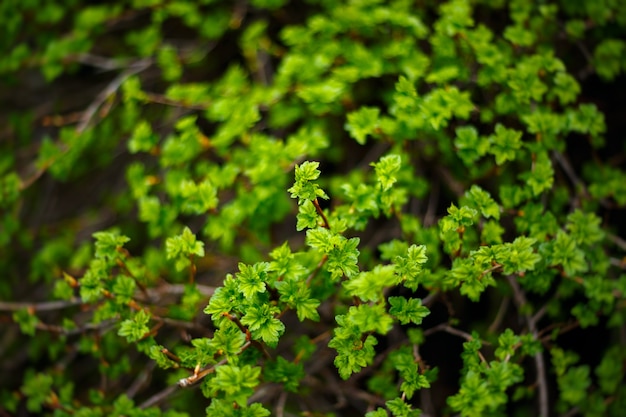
(312,208)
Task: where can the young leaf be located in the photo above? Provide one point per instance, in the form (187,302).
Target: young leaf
(362,123)
(252,278)
(406,311)
(135,328)
(304,189)
(386,170)
(263,324)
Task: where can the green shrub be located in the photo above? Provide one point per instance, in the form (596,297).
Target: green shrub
(312,208)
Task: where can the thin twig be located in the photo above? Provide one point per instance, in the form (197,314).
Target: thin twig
(104,326)
(141,380)
(445,327)
(520,301)
(113,86)
(569,171)
(103,63)
(158,397)
(43,306)
(497,321)
(280,404)
(321,213)
(618,241)
(90,112)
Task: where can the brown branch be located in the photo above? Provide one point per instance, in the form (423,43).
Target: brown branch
(321,213)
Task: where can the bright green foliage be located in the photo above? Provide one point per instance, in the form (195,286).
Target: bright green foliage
(262,323)
(409,265)
(505,144)
(235,383)
(304,189)
(26,320)
(284,372)
(183,247)
(252,278)
(37,388)
(386,170)
(108,245)
(482,201)
(135,328)
(342,253)
(565,252)
(369,285)
(362,123)
(517,256)
(406,311)
(267,199)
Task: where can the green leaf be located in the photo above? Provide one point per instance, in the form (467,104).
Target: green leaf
(406,311)
(198,198)
(224,408)
(263,324)
(507,342)
(343,258)
(481,200)
(27,320)
(505,144)
(566,88)
(252,278)
(135,328)
(399,408)
(369,285)
(227,340)
(584,227)
(303,189)
(108,244)
(123,289)
(387,169)
(518,35)
(10,185)
(307,216)
(566,253)
(470,146)
(610,371)
(586,119)
(142,139)
(458,218)
(541,177)
(236,382)
(573,385)
(609,58)
(413,381)
(182,247)
(281,371)
(409,266)
(518,256)
(37,388)
(362,123)
(353,355)
(298,296)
